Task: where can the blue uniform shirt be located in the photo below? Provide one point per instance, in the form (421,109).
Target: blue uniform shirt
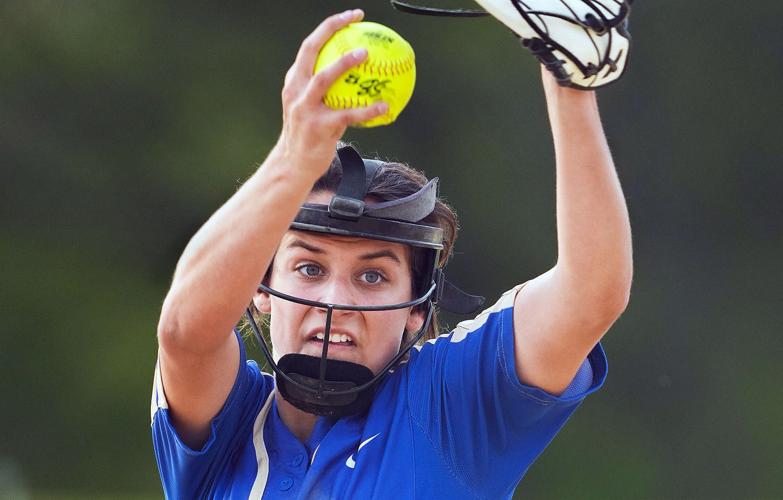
(453,422)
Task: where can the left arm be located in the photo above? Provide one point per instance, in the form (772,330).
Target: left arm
(561,315)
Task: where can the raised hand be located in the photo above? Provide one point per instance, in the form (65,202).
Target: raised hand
(310,128)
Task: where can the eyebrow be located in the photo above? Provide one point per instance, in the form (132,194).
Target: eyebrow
(297,243)
(381,253)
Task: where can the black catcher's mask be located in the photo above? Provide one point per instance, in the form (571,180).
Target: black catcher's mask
(337,388)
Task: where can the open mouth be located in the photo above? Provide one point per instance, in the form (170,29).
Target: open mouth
(335,339)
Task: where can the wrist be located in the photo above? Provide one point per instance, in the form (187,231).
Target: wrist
(306,159)
(283,174)
(568,105)
(297,168)
(553,90)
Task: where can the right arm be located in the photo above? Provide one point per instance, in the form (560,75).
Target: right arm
(222,265)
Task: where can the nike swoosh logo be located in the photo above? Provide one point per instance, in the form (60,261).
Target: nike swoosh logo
(350,462)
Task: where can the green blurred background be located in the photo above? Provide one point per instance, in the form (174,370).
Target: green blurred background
(124,124)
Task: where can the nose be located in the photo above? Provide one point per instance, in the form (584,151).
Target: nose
(339,291)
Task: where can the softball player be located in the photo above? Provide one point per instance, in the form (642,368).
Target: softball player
(345,256)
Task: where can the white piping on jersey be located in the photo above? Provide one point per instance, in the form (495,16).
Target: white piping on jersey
(262,458)
(350,462)
(312,459)
(158,395)
(461,331)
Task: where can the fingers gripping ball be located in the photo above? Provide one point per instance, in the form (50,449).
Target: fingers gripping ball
(388,74)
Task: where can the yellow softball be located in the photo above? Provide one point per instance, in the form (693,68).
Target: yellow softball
(388,74)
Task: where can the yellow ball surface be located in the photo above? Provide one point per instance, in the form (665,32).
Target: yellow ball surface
(388,74)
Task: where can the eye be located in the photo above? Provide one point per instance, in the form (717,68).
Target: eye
(372,277)
(309,270)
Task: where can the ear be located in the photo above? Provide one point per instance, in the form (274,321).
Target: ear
(415,320)
(262,302)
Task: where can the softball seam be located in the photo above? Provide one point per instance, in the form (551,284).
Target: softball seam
(387,68)
(341,102)
(382,67)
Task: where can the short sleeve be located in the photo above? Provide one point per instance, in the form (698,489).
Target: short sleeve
(465,395)
(188,473)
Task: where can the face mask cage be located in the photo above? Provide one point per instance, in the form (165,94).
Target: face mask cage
(322,395)
(336,388)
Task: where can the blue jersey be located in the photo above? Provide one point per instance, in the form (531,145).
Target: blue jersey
(453,422)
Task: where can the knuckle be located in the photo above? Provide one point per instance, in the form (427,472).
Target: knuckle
(360,117)
(333,21)
(309,44)
(350,119)
(301,112)
(351,116)
(321,78)
(289,75)
(340,123)
(287,94)
(343,64)
(295,109)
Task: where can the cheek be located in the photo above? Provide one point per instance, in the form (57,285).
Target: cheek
(390,327)
(284,322)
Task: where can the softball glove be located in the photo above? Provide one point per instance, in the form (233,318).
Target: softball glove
(583,43)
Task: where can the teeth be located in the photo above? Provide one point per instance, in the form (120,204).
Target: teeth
(334,338)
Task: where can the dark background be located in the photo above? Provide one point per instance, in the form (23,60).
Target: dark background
(124,124)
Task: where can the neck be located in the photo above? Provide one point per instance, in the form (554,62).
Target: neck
(299,422)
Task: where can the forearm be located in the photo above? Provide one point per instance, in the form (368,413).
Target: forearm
(224,262)
(593,228)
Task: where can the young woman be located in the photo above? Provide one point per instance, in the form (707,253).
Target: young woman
(351,254)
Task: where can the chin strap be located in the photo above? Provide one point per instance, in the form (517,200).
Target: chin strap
(329,387)
(331,379)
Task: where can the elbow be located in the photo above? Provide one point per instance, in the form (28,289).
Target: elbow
(614,299)
(618,301)
(614,289)
(169,331)
(614,286)
(598,315)
(604,290)
(183,331)
(596,299)
(605,301)
(623,288)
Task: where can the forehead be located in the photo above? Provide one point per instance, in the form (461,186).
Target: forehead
(347,245)
(344,246)
(322,197)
